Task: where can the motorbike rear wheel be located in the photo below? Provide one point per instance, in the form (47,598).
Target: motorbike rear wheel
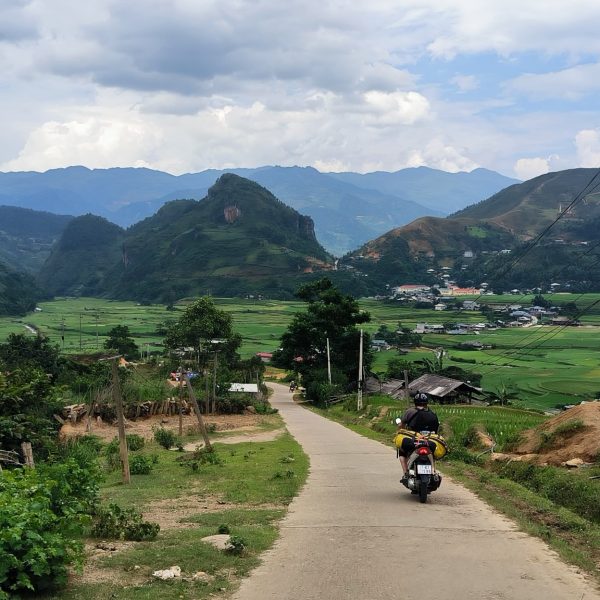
(422,493)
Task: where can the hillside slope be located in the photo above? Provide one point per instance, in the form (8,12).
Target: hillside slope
(240,239)
(27,236)
(18,292)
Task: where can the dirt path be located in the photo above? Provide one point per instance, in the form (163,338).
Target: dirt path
(354,533)
(250,436)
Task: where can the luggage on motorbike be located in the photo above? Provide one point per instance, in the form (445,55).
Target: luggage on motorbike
(441,446)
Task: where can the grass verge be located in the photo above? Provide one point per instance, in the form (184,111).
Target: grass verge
(246,490)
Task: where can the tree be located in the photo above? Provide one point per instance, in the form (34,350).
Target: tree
(329,314)
(201,323)
(25,352)
(119,339)
(504,394)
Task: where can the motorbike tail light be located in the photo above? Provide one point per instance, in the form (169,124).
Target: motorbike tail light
(423,451)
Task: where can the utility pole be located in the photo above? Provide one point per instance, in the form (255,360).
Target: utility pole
(80,317)
(328,363)
(359,398)
(180,401)
(192,396)
(62,332)
(97,336)
(214,386)
(406,391)
(116,389)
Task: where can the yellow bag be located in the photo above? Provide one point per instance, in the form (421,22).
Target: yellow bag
(441,446)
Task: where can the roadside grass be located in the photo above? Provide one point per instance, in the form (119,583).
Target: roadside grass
(575,538)
(261,477)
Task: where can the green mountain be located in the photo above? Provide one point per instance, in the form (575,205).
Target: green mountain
(80,260)
(18,292)
(240,239)
(27,236)
(490,241)
(527,208)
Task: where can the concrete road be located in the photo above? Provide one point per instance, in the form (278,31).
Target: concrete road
(355,533)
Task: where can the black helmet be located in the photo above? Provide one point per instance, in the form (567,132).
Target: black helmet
(421,399)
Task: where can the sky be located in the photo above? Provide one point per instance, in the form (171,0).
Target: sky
(187,85)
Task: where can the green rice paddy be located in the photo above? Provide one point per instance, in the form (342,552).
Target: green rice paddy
(547,365)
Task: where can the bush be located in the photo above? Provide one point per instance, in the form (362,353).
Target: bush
(37,533)
(165,437)
(140,464)
(114,522)
(236,545)
(233,405)
(112,455)
(223,528)
(135,441)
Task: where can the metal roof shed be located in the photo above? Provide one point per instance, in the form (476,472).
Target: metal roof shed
(443,389)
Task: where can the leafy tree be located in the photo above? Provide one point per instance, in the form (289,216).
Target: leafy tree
(329,314)
(27,403)
(504,394)
(397,365)
(200,323)
(25,352)
(539,300)
(119,339)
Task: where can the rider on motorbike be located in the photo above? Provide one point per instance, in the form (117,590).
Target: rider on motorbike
(420,418)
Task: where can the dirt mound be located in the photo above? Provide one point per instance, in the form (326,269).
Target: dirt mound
(574,433)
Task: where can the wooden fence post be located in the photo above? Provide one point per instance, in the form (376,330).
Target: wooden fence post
(28,454)
(192,396)
(116,389)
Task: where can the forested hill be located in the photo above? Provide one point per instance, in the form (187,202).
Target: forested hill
(239,239)
(480,242)
(79,261)
(27,236)
(18,292)
(527,208)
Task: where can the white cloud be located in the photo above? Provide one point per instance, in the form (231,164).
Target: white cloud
(395,108)
(95,142)
(528,168)
(440,155)
(587,142)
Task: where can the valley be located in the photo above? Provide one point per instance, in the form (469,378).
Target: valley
(547,366)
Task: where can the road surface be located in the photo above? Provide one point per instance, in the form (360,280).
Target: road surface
(355,533)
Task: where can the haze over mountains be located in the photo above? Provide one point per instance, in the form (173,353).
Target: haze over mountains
(348,208)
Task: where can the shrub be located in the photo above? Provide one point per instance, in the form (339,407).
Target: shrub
(165,437)
(135,441)
(207,457)
(37,542)
(112,455)
(140,464)
(223,528)
(236,545)
(114,522)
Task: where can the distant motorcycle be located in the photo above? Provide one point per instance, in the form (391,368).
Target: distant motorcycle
(422,449)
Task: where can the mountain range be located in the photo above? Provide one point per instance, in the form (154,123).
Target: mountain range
(240,239)
(491,240)
(348,209)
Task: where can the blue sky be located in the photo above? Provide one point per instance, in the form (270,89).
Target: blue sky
(185,85)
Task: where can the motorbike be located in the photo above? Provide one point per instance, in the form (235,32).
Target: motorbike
(422,475)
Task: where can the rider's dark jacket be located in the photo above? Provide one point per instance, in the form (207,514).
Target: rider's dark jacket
(420,419)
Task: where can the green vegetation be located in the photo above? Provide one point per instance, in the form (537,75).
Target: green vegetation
(245,475)
(329,317)
(18,292)
(562,370)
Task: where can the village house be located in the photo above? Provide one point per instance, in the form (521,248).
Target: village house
(443,390)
